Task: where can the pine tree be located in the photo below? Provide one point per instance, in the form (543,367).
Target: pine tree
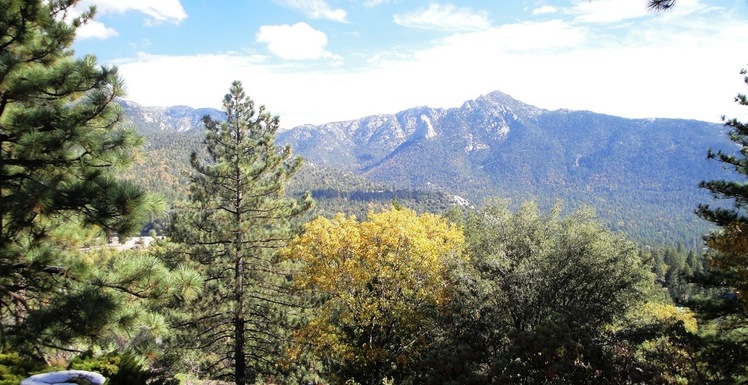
(239,217)
(731,243)
(60,140)
(734,190)
(660,5)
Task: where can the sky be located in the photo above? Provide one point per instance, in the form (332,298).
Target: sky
(320,61)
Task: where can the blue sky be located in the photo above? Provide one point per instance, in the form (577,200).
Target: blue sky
(317,61)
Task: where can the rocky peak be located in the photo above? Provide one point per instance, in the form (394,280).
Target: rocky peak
(174,118)
(499,103)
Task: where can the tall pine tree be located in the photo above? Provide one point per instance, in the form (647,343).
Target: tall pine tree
(239,216)
(60,140)
(730,262)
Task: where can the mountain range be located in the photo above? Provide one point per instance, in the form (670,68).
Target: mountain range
(641,175)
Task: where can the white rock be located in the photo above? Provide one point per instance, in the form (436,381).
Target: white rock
(65,377)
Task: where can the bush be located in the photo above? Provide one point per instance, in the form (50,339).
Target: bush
(13,368)
(120,369)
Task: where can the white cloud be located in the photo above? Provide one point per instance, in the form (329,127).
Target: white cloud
(544,10)
(158,11)
(606,11)
(526,39)
(444,17)
(693,73)
(375,3)
(687,9)
(294,42)
(554,35)
(95,29)
(170,11)
(316,9)
(216,72)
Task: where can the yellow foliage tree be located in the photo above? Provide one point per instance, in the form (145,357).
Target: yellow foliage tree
(661,345)
(377,281)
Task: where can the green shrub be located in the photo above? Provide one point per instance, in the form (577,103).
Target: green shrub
(120,369)
(14,368)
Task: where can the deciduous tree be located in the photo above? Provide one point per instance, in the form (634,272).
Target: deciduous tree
(534,304)
(377,281)
(550,268)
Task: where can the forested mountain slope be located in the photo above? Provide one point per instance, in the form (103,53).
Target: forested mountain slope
(641,175)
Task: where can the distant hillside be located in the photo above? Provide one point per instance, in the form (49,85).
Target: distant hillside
(172,133)
(640,174)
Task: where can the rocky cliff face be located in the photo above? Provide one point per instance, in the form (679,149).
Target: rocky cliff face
(497,143)
(498,146)
(175,118)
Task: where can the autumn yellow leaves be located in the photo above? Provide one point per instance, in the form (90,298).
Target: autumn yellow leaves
(377,279)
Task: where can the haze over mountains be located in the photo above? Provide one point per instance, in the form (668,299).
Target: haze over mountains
(641,175)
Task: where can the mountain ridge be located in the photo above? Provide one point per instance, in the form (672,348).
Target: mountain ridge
(173,118)
(637,173)
(641,175)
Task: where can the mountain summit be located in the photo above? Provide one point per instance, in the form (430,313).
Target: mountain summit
(496,145)
(174,118)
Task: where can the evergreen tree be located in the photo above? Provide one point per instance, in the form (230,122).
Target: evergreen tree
(60,141)
(238,218)
(660,5)
(726,269)
(730,244)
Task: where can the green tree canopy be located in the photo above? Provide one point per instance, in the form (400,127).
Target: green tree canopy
(548,268)
(729,261)
(534,304)
(60,139)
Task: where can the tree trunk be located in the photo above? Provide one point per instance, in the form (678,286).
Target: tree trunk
(240,370)
(240,363)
